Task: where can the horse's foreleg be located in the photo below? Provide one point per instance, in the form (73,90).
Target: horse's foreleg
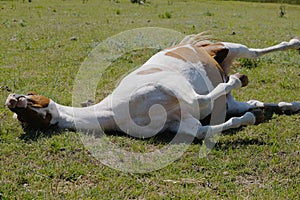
(191,126)
(235,81)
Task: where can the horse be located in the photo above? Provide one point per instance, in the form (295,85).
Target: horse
(176,90)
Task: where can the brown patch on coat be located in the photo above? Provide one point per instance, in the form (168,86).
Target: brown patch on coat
(175,55)
(38,101)
(213,69)
(149,71)
(218,51)
(183,53)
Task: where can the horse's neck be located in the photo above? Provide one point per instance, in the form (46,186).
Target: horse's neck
(93,118)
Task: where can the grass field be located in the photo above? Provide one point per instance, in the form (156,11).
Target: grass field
(274,1)
(42,45)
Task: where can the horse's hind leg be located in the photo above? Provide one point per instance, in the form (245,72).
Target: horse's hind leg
(236,108)
(292,44)
(242,51)
(279,108)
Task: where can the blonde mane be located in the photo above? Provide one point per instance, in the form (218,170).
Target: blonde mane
(199,40)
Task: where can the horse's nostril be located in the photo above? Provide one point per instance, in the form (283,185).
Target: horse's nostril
(11,102)
(22,103)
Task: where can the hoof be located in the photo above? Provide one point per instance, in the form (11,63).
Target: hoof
(296,42)
(296,37)
(259,116)
(243,78)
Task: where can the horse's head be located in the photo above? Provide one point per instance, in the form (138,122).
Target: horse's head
(32,110)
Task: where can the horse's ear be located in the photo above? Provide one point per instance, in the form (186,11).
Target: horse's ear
(217,51)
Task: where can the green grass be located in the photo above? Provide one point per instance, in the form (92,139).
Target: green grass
(37,53)
(273,1)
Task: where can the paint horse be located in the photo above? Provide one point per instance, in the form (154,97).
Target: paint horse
(175,90)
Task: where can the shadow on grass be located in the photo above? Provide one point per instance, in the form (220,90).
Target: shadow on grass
(240,142)
(166,137)
(32,134)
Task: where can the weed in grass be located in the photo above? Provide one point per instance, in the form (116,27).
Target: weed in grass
(166,15)
(249,63)
(170,2)
(208,13)
(118,11)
